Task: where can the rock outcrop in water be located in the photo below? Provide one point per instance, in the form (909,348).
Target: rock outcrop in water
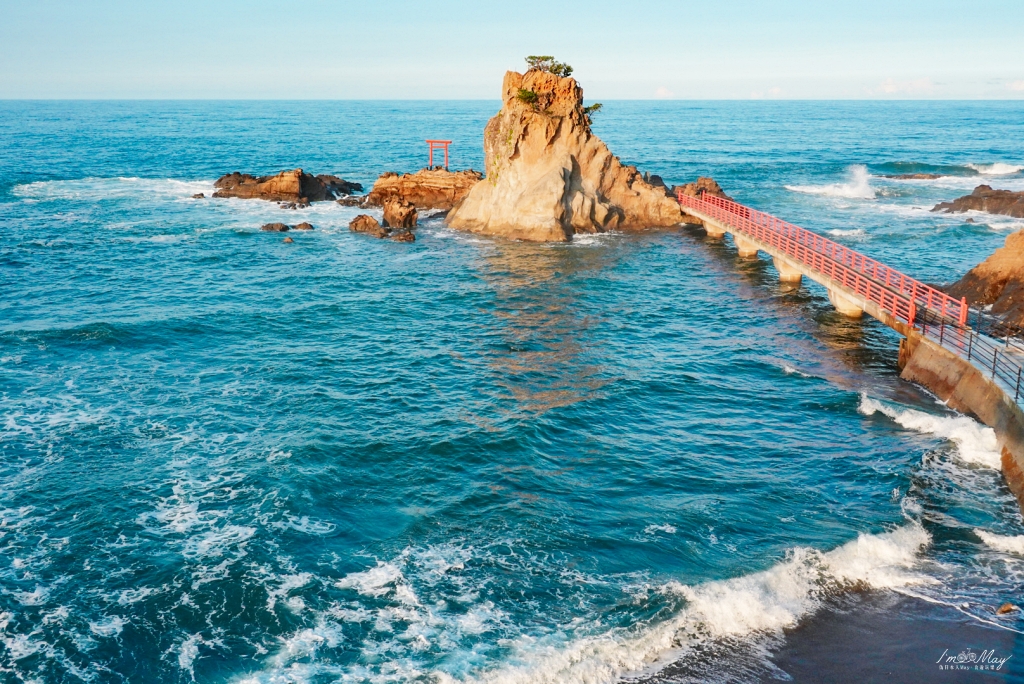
(549,177)
(999,281)
(984,198)
(425,189)
(399,213)
(364,223)
(287,186)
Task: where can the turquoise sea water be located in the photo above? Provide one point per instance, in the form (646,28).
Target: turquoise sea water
(224,458)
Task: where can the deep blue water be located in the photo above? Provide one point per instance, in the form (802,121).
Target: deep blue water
(226,458)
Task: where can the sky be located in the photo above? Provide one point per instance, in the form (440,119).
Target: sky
(449,49)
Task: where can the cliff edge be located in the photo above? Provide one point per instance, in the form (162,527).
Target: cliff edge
(999,281)
(549,177)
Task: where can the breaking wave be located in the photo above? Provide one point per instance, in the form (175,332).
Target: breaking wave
(858,187)
(999,542)
(997,169)
(976,444)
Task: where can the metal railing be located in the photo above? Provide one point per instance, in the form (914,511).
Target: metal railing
(935,314)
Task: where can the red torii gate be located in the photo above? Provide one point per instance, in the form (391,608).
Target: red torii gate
(437,145)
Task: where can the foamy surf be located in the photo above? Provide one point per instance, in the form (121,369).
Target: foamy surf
(761,603)
(997,169)
(1006,544)
(858,187)
(975,443)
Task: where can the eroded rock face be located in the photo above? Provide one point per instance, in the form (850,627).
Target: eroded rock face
(984,198)
(549,177)
(399,213)
(287,186)
(999,281)
(426,189)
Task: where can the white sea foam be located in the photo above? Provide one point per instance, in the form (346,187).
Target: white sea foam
(762,602)
(847,232)
(858,187)
(187,653)
(999,542)
(108,627)
(976,444)
(113,188)
(376,581)
(666,528)
(997,169)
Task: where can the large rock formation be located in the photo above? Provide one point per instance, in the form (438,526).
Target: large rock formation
(398,213)
(426,189)
(984,198)
(549,177)
(999,281)
(287,186)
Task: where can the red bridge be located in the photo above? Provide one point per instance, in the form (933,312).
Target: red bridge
(857,283)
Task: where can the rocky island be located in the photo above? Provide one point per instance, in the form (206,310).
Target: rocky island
(548,177)
(998,281)
(287,186)
(984,198)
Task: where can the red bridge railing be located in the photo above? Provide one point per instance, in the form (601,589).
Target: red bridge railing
(895,292)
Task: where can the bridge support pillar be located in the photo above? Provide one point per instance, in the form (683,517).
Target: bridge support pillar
(714,230)
(787,272)
(746,249)
(844,304)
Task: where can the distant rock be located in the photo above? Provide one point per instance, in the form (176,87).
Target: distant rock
(1006,608)
(997,281)
(276,227)
(426,189)
(198,195)
(399,213)
(984,198)
(913,176)
(287,186)
(288,239)
(304,226)
(365,223)
(549,177)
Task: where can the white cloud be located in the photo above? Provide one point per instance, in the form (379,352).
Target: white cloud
(889,86)
(1016,85)
(663,93)
(772,93)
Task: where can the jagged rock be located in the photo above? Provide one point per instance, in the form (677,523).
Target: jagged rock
(276,227)
(426,189)
(399,213)
(999,281)
(914,176)
(403,236)
(701,185)
(548,176)
(352,201)
(339,186)
(367,224)
(198,195)
(287,186)
(304,226)
(984,198)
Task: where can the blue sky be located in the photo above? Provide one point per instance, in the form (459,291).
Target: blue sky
(445,49)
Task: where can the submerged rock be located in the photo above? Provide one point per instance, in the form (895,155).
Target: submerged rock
(304,226)
(287,186)
(403,236)
(984,198)
(288,239)
(276,227)
(399,213)
(198,195)
(352,201)
(426,189)
(998,281)
(548,176)
(913,176)
(1006,608)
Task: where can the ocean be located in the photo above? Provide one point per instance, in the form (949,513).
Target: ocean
(224,458)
